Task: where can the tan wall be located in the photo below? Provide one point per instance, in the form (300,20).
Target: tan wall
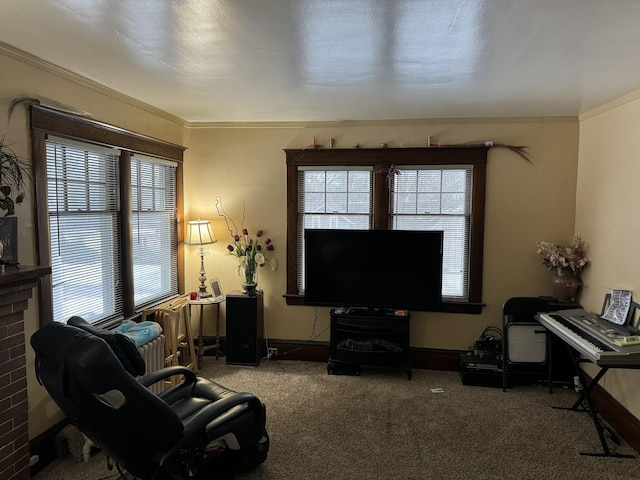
(22,77)
(607,217)
(525,202)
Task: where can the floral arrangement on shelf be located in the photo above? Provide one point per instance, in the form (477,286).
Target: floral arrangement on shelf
(249,250)
(390,172)
(569,259)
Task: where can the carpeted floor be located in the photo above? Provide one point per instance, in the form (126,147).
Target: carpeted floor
(382,426)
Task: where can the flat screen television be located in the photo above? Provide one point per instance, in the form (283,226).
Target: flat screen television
(376,269)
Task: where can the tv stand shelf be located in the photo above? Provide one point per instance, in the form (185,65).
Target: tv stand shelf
(362,337)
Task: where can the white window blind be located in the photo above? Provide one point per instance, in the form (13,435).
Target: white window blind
(84,228)
(153,188)
(438,198)
(332,198)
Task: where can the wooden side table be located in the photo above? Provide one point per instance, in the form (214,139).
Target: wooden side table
(202,302)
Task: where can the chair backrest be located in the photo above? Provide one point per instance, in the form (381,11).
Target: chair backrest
(523,309)
(89,383)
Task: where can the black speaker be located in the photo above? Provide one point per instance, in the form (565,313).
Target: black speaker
(245,329)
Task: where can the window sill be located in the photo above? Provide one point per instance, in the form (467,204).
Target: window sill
(447,307)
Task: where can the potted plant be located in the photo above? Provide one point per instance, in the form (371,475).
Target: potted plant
(13,175)
(14,171)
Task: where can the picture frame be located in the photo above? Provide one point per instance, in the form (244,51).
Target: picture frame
(9,240)
(216,289)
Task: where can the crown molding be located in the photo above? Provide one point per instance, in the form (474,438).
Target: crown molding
(68,75)
(612,105)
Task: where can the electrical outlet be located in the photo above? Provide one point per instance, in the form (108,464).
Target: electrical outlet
(273,352)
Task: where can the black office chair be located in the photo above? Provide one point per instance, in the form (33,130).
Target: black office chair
(193,428)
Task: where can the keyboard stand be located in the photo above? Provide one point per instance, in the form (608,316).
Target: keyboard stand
(585,397)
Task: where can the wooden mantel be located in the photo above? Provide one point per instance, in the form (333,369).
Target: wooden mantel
(16,286)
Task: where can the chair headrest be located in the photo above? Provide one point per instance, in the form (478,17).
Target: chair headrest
(123,347)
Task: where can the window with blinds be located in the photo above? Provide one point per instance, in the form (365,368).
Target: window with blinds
(332,198)
(437,198)
(86,240)
(153,189)
(85,230)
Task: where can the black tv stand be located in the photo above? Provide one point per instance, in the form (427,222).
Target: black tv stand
(375,337)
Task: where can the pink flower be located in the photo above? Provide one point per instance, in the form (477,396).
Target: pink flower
(230,248)
(259,233)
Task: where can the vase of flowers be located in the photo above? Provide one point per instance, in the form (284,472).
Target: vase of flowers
(566,263)
(250,252)
(250,257)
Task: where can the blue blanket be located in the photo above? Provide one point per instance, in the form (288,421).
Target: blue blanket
(141,332)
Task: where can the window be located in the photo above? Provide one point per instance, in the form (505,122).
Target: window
(436,189)
(438,198)
(107,216)
(154,229)
(335,198)
(85,230)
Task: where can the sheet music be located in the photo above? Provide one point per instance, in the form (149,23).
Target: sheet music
(618,307)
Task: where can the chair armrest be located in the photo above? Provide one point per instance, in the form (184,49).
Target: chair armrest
(167,372)
(208,414)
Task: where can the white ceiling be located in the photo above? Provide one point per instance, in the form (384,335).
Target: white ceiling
(324,60)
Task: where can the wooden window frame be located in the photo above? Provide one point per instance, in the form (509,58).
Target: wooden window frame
(46,121)
(380,158)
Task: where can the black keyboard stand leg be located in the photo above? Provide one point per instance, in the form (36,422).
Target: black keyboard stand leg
(586,390)
(585,397)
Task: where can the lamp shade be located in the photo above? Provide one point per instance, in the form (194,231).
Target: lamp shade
(199,233)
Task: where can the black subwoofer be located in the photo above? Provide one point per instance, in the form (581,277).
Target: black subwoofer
(245,329)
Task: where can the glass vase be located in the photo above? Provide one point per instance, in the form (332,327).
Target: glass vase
(249,276)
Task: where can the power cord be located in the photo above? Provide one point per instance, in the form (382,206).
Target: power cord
(312,337)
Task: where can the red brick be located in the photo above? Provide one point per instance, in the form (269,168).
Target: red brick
(22,419)
(6,308)
(6,450)
(10,366)
(8,473)
(11,390)
(11,318)
(8,291)
(21,295)
(18,374)
(5,428)
(15,328)
(16,408)
(11,341)
(17,352)
(15,458)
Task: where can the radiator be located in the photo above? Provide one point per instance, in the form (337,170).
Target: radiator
(153,354)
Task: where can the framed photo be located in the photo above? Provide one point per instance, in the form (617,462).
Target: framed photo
(9,240)
(216,288)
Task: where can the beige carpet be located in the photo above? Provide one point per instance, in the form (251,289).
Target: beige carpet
(382,426)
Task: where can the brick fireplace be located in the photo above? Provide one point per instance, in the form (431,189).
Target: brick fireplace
(16,287)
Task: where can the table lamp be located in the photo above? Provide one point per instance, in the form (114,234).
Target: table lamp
(199,233)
